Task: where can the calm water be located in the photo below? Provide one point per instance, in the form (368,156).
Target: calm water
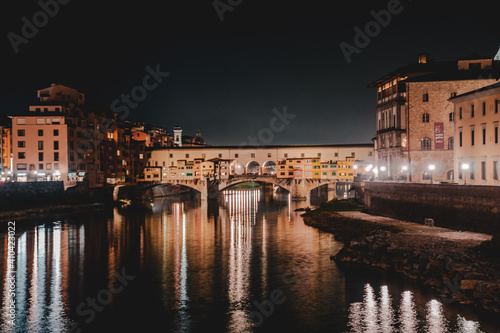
(180,265)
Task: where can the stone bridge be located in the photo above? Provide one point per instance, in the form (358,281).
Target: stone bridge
(300,189)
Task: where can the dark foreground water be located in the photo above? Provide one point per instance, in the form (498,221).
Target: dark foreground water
(245,264)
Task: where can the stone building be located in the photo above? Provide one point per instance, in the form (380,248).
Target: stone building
(415,120)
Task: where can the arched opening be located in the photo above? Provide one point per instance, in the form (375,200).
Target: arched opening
(236,169)
(450,175)
(253,168)
(269,168)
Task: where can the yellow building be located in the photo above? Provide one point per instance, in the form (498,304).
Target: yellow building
(345,169)
(477,148)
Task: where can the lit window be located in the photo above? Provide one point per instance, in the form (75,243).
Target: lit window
(425,144)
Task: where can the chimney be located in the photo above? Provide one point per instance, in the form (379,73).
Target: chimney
(423,58)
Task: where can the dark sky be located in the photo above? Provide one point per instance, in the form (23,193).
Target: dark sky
(226,77)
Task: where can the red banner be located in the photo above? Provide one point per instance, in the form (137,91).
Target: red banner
(438,135)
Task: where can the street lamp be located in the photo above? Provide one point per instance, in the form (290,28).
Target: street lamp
(404,168)
(465,166)
(431,169)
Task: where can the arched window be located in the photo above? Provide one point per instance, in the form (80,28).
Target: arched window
(450,143)
(451,116)
(425,144)
(425,117)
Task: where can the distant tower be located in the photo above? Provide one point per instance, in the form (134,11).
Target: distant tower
(497,56)
(178,136)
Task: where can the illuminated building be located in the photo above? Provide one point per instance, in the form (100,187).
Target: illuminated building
(415,120)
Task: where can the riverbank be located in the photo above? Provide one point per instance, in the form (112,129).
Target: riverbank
(24,214)
(460,266)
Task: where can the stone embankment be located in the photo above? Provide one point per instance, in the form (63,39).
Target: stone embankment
(461,266)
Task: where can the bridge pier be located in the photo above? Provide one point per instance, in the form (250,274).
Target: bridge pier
(299,190)
(332,191)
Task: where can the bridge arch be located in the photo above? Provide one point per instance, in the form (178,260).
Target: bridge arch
(236,168)
(269,168)
(253,168)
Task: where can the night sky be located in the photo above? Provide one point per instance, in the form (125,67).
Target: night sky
(226,77)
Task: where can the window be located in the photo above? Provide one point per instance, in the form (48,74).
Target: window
(49,166)
(56,132)
(235,155)
(426,175)
(171,155)
(56,166)
(21,132)
(453,94)
(285,155)
(56,145)
(472,169)
(40,132)
(220,155)
(460,113)
(21,166)
(460,170)
(268,155)
(483,170)
(40,121)
(495,132)
(40,157)
(495,170)
(451,116)
(460,137)
(252,155)
(21,144)
(56,158)
(472,136)
(40,166)
(21,121)
(472,111)
(484,108)
(484,134)
(302,155)
(141,156)
(425,144)
(40,145)
(425,117)
(187,155)
(450,143)
(21,155)
(496,105)
(425,97)
(336,154)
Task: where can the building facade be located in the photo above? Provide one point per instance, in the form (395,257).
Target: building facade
(477,147)
(415,120)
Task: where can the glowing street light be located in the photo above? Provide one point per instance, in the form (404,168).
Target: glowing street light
(431,169)
(465,166)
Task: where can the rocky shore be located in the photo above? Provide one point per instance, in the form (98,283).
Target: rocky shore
(460,266)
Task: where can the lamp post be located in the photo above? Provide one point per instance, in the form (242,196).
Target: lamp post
(404,168)
(382,169)
(465,166)
(431,169)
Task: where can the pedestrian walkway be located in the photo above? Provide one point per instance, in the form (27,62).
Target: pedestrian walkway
(473,238)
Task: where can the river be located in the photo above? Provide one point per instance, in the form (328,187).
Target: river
(179,264)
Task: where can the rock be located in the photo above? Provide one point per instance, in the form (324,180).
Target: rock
(468,284)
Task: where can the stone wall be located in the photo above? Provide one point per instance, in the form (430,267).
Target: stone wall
(30,194)
(472,208)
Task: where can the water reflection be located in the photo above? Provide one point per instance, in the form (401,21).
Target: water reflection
(378,316)
(242,208)
(203,266)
